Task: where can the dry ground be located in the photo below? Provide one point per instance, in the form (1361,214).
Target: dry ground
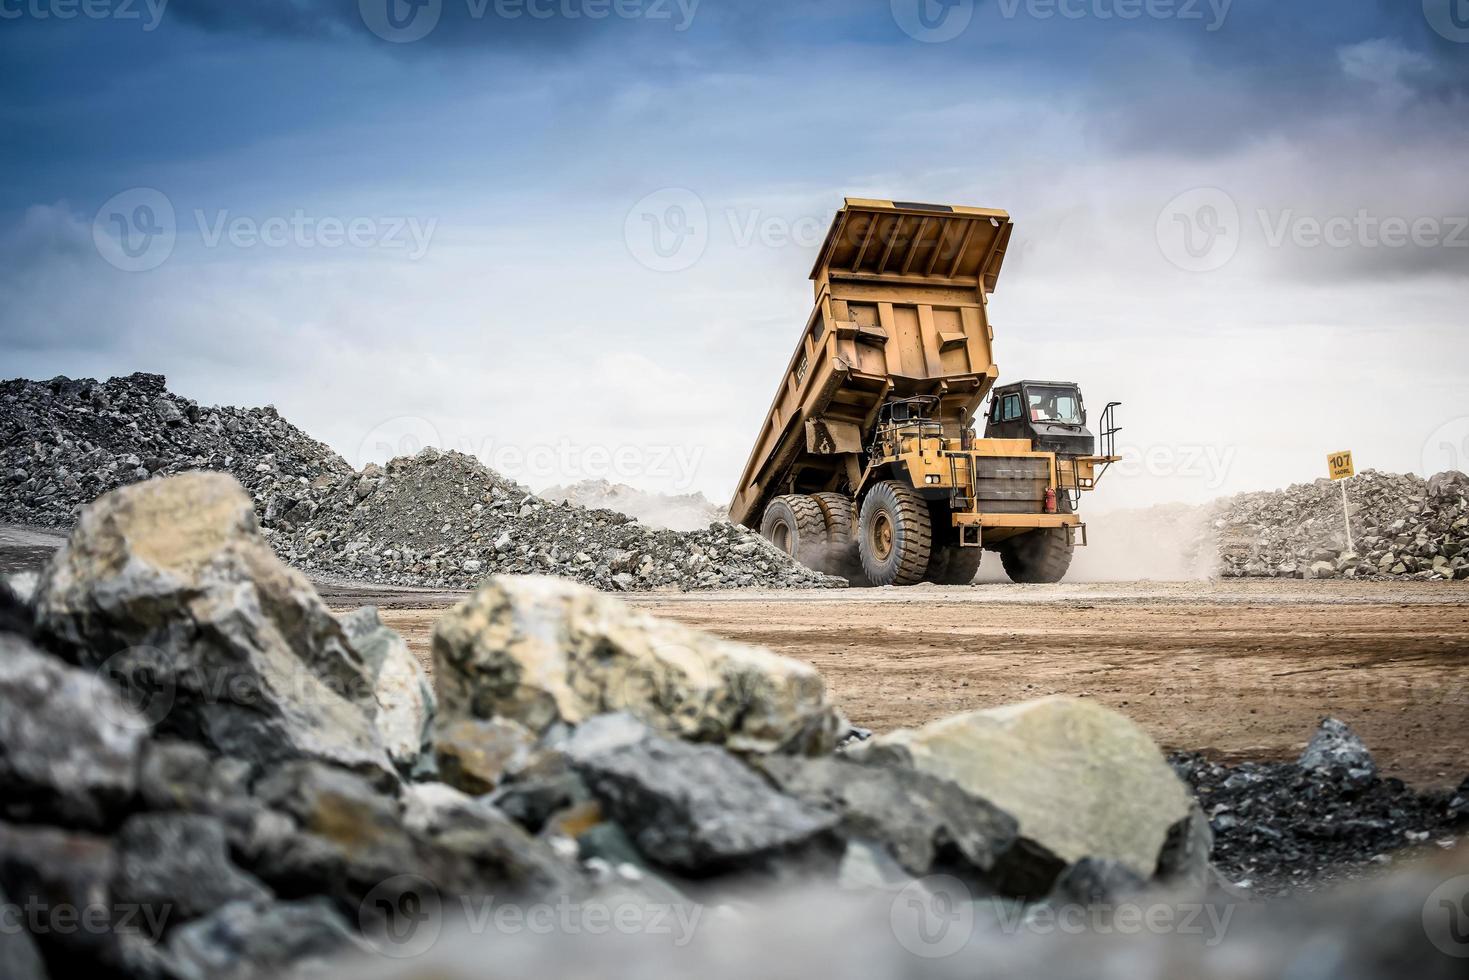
(1240,670)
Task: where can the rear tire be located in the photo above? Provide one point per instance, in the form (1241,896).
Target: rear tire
(1039,557)
(895,535)
(796,525)
(841,521)
(952,565)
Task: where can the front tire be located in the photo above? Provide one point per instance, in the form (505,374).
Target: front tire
(1039,557)
(895,535)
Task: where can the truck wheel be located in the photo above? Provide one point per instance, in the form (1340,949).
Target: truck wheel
(795,524)
(953,565)
(841,517)
(895,535)
(1037,557)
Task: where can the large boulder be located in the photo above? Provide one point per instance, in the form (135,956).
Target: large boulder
(404,696)
(68,743)
(179,861)
(170,585)
(1082,780)
(243,941)
(542,651)
(695,809)
(918,817)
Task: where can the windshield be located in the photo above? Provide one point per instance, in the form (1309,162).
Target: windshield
(1054,404)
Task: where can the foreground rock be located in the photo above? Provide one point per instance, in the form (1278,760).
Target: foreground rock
(169,584)
(404,698)
(68,744)
(1336,746)
(19,958)
(690,808)
(1083,781)
(542,651)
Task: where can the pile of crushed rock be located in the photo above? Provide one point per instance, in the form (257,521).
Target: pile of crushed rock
(1402,527)
(222,779)
(439,520)
(675,512)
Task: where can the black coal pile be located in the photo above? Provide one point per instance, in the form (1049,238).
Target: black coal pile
(1287,827)
(438,520)
(1402,527)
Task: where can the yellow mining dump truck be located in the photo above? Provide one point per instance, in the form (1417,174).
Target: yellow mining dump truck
(867,464)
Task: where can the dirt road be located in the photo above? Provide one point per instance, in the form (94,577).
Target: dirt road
(1240,670)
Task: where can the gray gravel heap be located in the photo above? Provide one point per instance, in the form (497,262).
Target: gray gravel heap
(1403,527)
(438,520)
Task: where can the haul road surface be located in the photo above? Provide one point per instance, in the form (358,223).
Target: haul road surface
(1238,670)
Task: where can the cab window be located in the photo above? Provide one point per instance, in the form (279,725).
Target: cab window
(1010,408)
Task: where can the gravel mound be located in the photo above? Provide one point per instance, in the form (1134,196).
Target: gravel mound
(438,520)
(1402,526)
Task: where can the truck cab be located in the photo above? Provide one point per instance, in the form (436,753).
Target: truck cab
(1051,414)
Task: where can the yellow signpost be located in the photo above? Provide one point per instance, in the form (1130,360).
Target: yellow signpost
(1343,469)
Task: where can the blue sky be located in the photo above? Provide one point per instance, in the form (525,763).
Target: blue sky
(450,238)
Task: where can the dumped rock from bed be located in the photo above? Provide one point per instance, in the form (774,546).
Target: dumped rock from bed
(692,808)
(68,744)
(542,651)
(170,587)
(1081,779)
(680,512)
